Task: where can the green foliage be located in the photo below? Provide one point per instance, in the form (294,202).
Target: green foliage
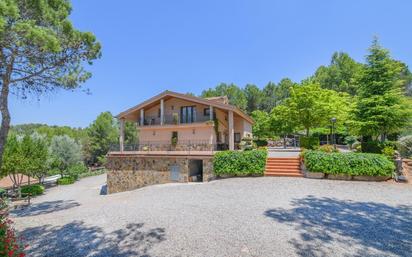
(372,147)
(381,108)
(389,151)
(66,181)
(239,163)
(355,164)
(92,173)
(32,190)
(311,106)
(350,140)
(275,95)
(49,131)
(236,95)
(260,142)
(48,51)
(254,97)
(309,142)
(327,149)
(76,170)
(25,155)
(65,152)
(261,128)
(405,146)
(282,121)
(340,75)
(247,144)
(102,133)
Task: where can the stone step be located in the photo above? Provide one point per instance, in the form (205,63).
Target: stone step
(282,170)
(287,167)
(283,174)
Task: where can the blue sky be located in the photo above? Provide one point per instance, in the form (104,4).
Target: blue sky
(187,46)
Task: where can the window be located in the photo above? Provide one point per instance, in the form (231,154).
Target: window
(158,113)
(187,114)
(237,137)
(206,112)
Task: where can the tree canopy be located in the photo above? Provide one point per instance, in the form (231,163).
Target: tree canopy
(40,51)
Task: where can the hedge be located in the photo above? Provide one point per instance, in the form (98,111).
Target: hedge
(240,163)
(356,164)
(309,142)
(66,181)
(33,190)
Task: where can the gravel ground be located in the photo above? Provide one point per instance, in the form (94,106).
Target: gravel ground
(230,217)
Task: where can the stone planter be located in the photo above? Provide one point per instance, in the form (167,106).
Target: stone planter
(339,176)
(314,175)
(371,178)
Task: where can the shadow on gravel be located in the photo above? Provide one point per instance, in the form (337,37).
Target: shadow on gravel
(325,221)
(77,239)
(44,208)
(103,190)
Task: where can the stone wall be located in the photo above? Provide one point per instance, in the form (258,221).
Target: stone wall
(128,172)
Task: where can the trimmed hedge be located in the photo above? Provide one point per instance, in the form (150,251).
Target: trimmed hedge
(33,190)
(240,163)
(66,181)
(356,164)
(309,142)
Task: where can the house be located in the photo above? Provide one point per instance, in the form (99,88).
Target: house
(174,121)
(178,136)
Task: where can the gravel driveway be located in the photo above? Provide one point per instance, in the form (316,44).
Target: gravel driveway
(231,217)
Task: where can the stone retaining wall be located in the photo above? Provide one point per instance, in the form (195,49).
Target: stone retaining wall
(128,172)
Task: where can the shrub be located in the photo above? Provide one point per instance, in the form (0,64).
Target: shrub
(309,142)
(65,181)
(350,141)
(75,170)
(92,173)
(405,146)
(328,149)
(237,163)
(32,190)
(10,244)
(348,163)
(377,146)
(260,142)
(389,152)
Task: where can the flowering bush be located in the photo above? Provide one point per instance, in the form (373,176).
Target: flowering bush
(10,244)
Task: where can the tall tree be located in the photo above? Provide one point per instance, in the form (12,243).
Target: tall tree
(235,95)
(381,107)
(40,51)
(340,75)
(282,122)
(261,128)
(254,97)
(103,133)
(313,106)
(66,152)
(282,91)
(270,97)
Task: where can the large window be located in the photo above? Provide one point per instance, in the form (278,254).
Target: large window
(187,114)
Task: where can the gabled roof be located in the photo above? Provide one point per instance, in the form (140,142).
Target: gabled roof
(186,97)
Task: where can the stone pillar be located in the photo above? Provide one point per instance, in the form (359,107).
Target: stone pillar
(211,112)
(141,117)
(231,132)
(121,136)
(162,111)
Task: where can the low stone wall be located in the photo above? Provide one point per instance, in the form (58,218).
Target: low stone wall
(128,172)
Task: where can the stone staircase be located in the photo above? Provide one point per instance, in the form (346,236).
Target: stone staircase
(283,167)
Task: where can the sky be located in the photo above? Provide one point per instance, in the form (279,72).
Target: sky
(187,46)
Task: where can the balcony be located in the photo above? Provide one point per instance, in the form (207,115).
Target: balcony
(183,146)
(173,120)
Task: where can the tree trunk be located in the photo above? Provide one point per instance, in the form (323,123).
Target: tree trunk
(307,132)
(5,117)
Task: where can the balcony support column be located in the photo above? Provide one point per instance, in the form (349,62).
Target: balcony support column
(211,112)
(121,136)
(162,111)
(141,117)
(231,132)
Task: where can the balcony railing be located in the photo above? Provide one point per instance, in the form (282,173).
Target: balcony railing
(181,145)
(173,120)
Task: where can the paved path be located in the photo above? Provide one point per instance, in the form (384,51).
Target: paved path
(231,217)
